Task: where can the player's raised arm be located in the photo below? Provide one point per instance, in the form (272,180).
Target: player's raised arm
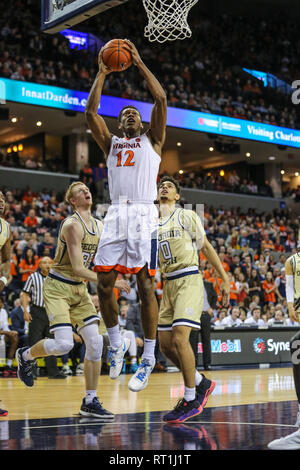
(212,257)
(96,122)
(159,112)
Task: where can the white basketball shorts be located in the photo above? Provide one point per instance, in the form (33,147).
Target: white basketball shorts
(129,239)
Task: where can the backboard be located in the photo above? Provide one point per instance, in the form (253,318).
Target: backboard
(58,15)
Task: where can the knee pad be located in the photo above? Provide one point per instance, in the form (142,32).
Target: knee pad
(94,348)
(58,347)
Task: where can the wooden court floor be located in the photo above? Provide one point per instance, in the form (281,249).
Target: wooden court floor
(248,408)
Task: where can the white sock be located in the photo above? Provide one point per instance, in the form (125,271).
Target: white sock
(114,336)
(9,362)
(27,355)
(133,360)
(198,378)
(149,347)
(189,393)
(89,395)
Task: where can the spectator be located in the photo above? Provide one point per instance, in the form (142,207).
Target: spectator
(254,319)
(233,296)
(47,243)
(254,284)
(278,319)
(18,323)
(28,264)
(220,317)
(269,288)
(243,314)
(242,288)
(233,318)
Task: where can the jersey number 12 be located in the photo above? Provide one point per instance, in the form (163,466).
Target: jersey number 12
(128,161)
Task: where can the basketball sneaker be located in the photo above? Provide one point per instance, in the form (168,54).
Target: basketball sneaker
(183,411)
(140,379)
(67,370)
(3,412)
(25,368)
(116,358)
(95,409)
(290,442)
(203,390)
(79,369)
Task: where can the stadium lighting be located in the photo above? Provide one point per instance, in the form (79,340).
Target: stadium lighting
(248,154)
(14,119)
(282,172)
(271,157)
(180,172)
(39,123)
(222,173)
(211,149)
(179,144)
(296,174)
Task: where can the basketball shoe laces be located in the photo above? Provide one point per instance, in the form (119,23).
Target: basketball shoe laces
(28,367)
(142,374)
(180,404)
(112,354)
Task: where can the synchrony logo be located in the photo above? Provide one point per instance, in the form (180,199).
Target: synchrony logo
(259,345)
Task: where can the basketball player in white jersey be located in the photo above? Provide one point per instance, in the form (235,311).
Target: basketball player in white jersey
(5,254)
(129,240)
(292,274)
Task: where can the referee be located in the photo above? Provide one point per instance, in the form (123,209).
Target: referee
(37,318)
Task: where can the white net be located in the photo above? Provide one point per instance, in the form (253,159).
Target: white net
(167,19)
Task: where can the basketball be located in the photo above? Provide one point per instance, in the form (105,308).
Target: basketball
(116,56)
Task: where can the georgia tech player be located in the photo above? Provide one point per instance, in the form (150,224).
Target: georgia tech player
(180,236)
(67,301)
(292,275)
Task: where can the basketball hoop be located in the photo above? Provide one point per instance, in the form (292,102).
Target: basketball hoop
(167,19)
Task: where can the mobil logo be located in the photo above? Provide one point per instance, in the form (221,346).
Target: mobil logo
(228,346)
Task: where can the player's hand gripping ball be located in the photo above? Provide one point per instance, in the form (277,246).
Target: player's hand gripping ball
(116,55)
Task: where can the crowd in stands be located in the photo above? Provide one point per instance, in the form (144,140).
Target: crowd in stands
(212,180)
(210,80)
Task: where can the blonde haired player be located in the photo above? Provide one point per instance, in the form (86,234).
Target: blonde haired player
(181,235)
(129,240)
(292,276)
(5,254)
(68,302)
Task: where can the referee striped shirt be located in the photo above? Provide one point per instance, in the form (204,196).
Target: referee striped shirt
(34,287)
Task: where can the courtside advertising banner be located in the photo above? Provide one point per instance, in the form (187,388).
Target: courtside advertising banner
(249,346)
